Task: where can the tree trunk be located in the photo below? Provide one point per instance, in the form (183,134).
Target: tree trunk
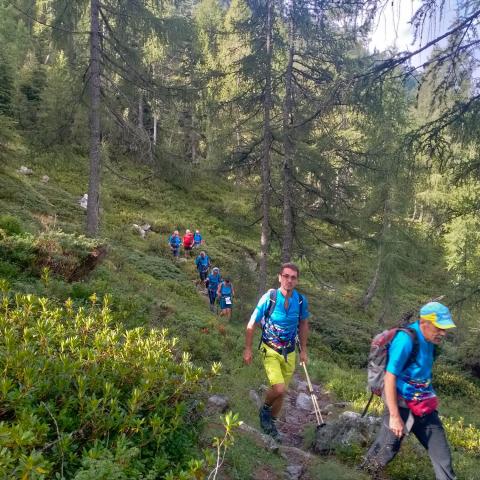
(288,227)
(155,121)
(414,214)
(140,109)
(193,141)
(93,205)
(372,288)
(267,144)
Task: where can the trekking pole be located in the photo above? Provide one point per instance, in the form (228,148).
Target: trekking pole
(316,408)
(365,410)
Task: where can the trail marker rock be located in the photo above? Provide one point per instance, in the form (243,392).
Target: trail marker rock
(25,170)
(83,201)
(142,229)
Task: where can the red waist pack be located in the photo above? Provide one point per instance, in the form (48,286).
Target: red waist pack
(422,407)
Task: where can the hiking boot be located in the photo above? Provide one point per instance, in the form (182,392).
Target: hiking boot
(274,433)
(265,415)
(212,308)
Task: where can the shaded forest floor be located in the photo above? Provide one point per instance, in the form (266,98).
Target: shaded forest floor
(149,288)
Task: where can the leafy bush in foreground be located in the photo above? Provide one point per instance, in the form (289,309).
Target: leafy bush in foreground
(82,398)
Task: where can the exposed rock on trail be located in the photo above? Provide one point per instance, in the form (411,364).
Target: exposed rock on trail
(297,416)
(348,429)
(298,411)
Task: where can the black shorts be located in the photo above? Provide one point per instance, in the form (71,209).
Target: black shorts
(203,274)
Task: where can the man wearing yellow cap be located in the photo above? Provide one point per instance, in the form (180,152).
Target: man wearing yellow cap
(410,400)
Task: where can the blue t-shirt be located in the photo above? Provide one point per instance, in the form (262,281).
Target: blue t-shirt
(415,381)
(174,241)
(202,263)
(226,290)
(197,238)
(213,281)
(283,323)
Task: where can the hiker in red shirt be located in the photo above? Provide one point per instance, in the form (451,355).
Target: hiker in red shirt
(188,242)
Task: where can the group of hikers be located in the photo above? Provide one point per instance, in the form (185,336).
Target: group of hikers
(189,241)
(411,404)
(217,287)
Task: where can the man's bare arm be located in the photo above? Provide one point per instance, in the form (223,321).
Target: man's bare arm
(391,399)
(247,353)
(303,330)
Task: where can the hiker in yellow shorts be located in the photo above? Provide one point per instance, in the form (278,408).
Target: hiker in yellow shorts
(282,314)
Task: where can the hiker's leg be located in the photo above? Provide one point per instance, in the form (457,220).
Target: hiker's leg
(211,299)
(211,296)
(276,393)
(430,433)
(274,398)
(272,363)
(288,368)
(385,446)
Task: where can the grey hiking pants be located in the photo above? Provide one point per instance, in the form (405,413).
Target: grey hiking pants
(430,433)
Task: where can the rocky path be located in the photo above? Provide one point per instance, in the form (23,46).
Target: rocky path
(297,416)
(342,428)
(298,411)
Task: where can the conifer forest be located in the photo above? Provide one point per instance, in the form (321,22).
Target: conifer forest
(284,133)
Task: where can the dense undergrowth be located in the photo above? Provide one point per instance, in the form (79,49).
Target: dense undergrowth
(139,285)
(85,398)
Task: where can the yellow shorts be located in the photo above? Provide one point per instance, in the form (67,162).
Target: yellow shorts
(278,370)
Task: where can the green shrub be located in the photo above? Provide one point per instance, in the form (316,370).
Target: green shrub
(83,398)
(452,382)
(10,225)
(18,250)
(62,253)
(8,270)
(158,267)
(464,436)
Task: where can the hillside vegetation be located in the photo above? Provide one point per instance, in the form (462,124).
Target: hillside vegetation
(276,129)
(140,286)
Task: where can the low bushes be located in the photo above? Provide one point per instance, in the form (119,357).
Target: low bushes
(69,256)
(10,225)
(81,398)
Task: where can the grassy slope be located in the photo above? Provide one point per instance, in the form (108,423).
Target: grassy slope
(149,289)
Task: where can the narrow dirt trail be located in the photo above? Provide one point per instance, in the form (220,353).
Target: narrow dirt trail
(296,418)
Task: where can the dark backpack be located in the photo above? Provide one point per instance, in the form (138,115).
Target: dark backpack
(378,356)
(271,306)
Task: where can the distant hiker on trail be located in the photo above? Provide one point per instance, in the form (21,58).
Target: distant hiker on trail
(197,239)
(187,242)
(225,292)
(212,282)
(410,401)
(203,264)
(281,313)
(175,241)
